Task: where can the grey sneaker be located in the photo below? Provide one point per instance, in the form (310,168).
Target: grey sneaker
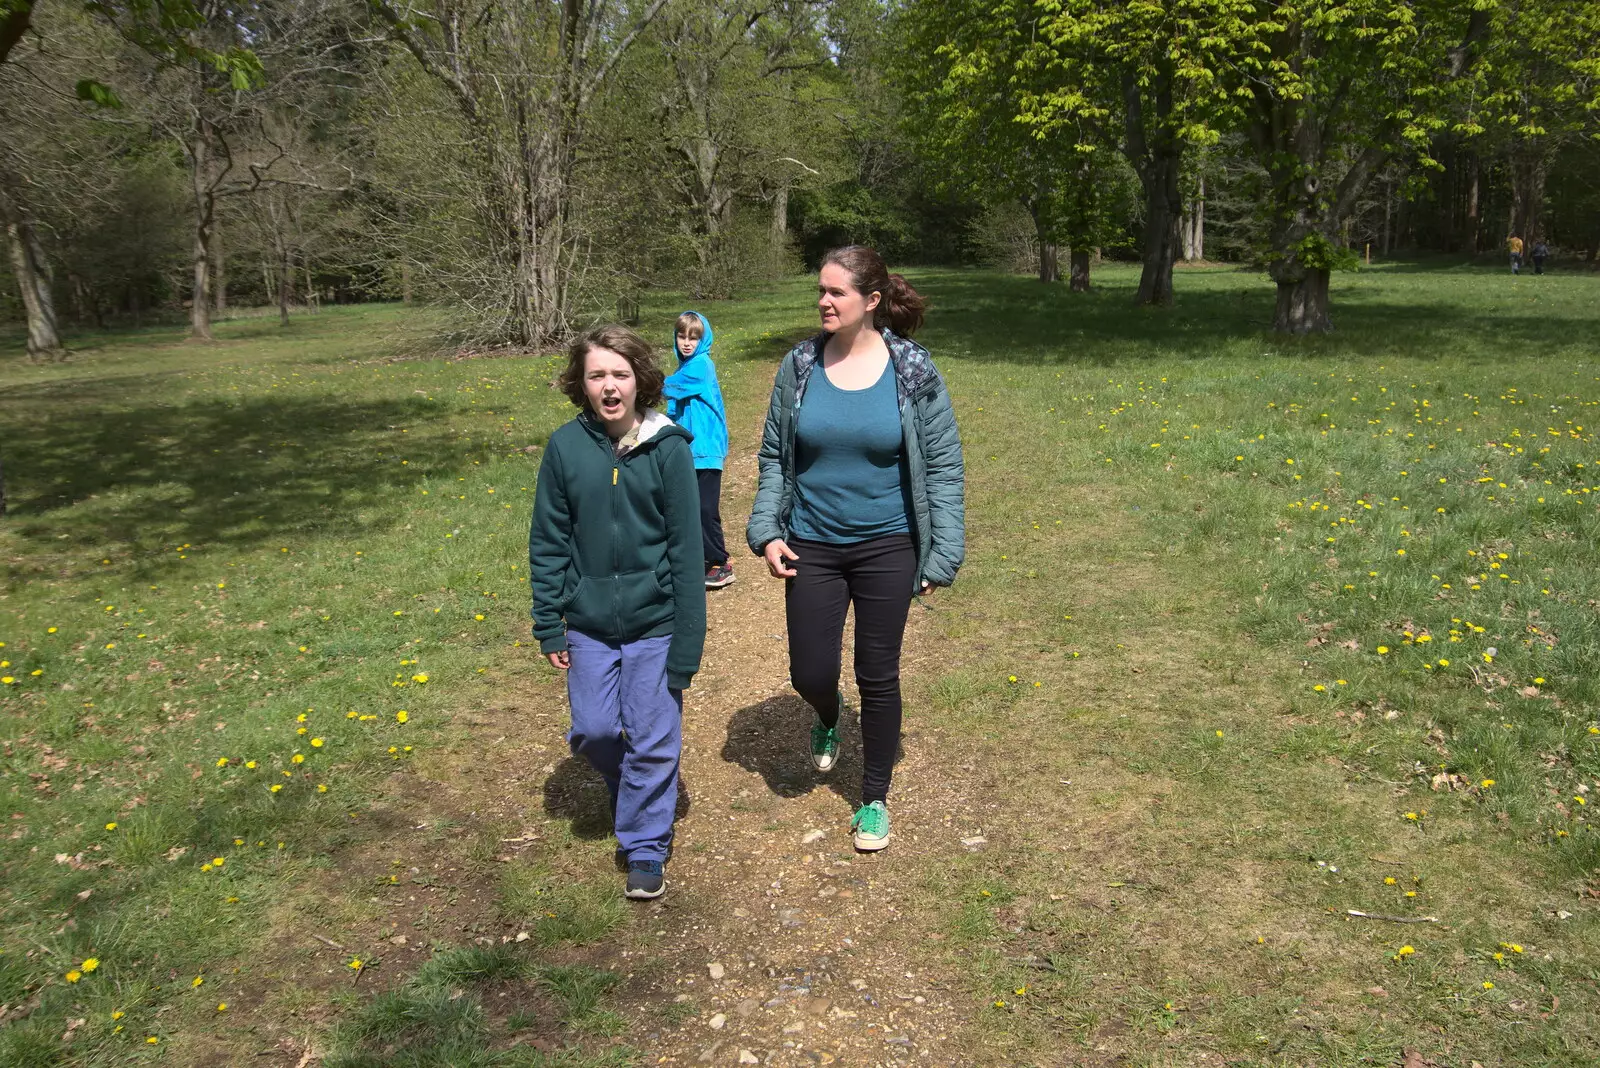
(871,827)
(718,576)
(645,880)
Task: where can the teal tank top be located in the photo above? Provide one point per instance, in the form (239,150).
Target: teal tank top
(850,471)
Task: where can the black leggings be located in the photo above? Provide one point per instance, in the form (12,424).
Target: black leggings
(875,576)
(715,549)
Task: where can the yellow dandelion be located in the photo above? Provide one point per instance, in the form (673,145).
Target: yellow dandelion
(401,716)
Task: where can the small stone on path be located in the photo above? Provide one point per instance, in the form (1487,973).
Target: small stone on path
(813,836)
(746,1057)
(716,970)
(718,1021)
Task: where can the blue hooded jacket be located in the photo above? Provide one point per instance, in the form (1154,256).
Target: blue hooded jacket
(694,400)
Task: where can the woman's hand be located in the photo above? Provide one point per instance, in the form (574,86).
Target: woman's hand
(776,552)
(560,661)
(927,589)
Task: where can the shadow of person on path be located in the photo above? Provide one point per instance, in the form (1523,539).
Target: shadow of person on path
(773,739)
(575,792)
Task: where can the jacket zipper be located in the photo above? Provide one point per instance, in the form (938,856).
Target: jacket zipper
(616,560)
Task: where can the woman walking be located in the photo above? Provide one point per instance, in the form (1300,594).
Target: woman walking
(860,502)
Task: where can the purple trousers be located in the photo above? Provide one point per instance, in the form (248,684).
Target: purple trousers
(628,725)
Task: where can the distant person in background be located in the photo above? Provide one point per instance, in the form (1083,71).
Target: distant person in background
(1514,246)
(860,502)
(1540,253)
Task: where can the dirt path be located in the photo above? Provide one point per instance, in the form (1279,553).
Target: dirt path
(783,945)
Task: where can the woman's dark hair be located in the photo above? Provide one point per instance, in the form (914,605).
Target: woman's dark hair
(900,307)
(625,343)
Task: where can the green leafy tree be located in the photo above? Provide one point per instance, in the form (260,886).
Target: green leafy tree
(1334,90)
(970,72)
(1541,81)
(1150,72)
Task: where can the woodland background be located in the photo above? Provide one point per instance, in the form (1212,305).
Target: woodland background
(533,167)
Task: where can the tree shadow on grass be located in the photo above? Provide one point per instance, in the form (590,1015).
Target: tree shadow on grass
(985,317)
(214,472)
(773,739)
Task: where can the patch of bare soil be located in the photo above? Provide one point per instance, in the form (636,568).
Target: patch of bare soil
(776,943)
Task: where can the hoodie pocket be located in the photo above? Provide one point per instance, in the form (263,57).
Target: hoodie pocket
(619,607)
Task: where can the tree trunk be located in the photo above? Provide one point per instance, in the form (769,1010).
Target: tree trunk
(32,273)
(1474,225)
(285,283)
(219,269)
(780,216)
(1303,302)
(1080,270)
(1528,172)
(1160,251)
(1049,261)
(1192,225)
(1386,244)
(205,207)
(1157,157)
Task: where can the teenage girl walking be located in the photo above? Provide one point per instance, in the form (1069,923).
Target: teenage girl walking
(860,502)
(619,597)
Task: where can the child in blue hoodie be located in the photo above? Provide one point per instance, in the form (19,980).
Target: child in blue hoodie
(694,402)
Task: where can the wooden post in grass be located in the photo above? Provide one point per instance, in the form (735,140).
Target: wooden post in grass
(1369,253)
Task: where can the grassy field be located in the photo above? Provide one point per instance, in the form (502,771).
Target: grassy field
(1252,632)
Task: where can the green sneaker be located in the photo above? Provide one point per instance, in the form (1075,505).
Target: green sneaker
(825,740)
(824,746)
(871,826)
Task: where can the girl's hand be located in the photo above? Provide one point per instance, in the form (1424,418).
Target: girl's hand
(927,588)
(560,661)
(776,552)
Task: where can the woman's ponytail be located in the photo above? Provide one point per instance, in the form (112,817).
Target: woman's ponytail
(900,307)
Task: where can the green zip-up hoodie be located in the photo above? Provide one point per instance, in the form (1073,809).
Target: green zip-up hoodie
(614,548)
